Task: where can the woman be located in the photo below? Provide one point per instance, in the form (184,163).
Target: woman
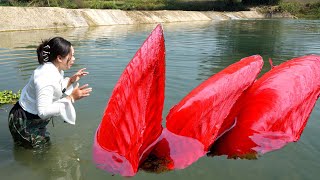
(47,94)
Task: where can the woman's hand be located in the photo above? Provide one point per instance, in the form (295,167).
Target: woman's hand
(76,77)
(80,92)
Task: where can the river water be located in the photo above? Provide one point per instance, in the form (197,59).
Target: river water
(194,52)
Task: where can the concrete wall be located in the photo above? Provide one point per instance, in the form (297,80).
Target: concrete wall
(25,18)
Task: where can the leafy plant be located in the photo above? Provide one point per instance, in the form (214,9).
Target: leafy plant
(293,7)
(261,2)
(308,10)
(8,97)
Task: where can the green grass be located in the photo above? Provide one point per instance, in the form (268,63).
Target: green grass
(4,4)
(205,6)
(187,5)
(41,3)
(127,5)
(300,8)
(306,11)
(13,3)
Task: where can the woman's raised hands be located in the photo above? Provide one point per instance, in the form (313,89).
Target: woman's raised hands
(80,92)
(76,77)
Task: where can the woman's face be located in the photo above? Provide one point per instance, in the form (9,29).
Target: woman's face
(67,61)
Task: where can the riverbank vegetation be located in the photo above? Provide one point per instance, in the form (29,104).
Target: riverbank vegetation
(301,10)
(298,8)
(194,5)
(188,5)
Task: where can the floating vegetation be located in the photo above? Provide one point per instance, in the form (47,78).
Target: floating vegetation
(8,97)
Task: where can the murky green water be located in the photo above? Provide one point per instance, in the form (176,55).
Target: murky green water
(195,51)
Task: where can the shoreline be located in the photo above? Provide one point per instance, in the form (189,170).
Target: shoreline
(32,18)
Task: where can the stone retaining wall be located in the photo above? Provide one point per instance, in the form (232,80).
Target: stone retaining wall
(26,18)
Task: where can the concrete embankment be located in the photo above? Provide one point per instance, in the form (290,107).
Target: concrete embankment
(25,18)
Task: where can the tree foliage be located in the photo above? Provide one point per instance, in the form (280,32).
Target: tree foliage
(261,2)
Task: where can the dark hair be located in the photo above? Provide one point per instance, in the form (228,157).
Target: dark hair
(49,49)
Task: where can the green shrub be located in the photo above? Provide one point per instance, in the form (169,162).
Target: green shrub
(51,3)
(222,5)
(292,7)
(311,11)
(308,11)
(98,4)
(261,2)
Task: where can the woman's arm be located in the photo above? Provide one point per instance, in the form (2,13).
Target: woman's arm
(48,108)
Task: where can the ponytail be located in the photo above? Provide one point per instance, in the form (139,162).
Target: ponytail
(49,49)
(43,57)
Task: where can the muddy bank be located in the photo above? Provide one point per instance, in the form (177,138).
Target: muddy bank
(25,18)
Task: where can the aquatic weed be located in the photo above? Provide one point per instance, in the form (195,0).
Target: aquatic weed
(9,97)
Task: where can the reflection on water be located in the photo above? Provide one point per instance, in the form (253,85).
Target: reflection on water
(194,51)
(50,163)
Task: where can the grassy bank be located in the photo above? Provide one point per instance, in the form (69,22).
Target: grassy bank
(187,5)
(301,10)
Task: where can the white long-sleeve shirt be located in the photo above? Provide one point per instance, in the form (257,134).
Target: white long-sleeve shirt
(43,94)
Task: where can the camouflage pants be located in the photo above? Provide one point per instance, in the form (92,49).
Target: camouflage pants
(27,129)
